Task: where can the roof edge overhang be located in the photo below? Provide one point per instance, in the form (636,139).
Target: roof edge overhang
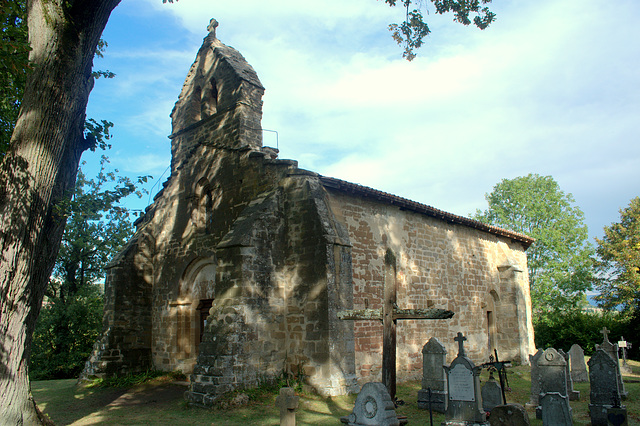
(405,204)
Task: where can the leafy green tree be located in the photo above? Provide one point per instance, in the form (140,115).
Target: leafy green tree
(619,260)
(71,320)
(14,66)
(412,31)
(560,260)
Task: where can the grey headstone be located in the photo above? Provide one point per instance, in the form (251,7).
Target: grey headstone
(535,379)
(491,394)
(463,386)
(509,415)
(553,379)
(612,350)
(604,386)
(573,395)
(555,409)
(373,407)
(434,358)
(578,365)
(287,402)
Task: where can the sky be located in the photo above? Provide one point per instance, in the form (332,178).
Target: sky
(552,87)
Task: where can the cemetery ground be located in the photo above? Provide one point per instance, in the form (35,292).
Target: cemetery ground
(160,402)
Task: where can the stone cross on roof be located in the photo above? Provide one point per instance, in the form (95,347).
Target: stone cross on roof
(605,333)
(460,339)
(213,24)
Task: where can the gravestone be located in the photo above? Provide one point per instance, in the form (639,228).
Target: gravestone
(578,365)
(574,395)
(491,394)
(612,350)
(604,393)
(434,358)
(373,407)
(287,401)
(534,400)
(552,368)
(509,415)
(463,385)
(555,409)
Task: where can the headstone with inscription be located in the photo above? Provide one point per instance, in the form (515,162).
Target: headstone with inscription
(463,385)
(578,365)
(612,350)
(491,394)
(573,394)
(434,358)
(553,370)
(534,400)
(373,407)
(604,393)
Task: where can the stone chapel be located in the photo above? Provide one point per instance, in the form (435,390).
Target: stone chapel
(238,268)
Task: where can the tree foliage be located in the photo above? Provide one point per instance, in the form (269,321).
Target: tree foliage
(619,260)
(412,31)
(97,228)
(14,66)
(560,260)
(582,328)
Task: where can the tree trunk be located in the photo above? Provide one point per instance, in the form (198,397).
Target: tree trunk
(37,177)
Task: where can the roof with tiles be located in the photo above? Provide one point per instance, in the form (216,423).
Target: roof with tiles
(405,204)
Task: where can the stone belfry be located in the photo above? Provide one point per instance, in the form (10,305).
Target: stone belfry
(221,95)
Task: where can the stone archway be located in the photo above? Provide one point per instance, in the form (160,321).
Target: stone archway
(196,294)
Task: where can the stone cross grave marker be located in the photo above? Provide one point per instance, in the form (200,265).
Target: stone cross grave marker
(389,314)
(552,367)
(287,401)
(612,350)
(578,366)
(623,345)
(463,384)
(604,387)
(434,358)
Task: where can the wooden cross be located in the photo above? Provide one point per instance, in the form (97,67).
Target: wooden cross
(389,314)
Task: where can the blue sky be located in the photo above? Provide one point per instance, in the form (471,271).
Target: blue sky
(552,87)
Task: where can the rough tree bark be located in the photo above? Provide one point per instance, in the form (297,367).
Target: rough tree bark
(38,174)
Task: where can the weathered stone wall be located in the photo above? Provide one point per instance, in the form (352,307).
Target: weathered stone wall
(441,265)
(283,272)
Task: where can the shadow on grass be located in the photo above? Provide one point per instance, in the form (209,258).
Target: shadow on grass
(161,403)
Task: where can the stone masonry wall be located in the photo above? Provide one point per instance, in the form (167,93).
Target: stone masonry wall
(440,265)
(282,272)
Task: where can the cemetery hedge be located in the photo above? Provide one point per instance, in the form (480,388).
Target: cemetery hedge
(563,329)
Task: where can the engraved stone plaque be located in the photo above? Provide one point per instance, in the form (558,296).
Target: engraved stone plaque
(461,384)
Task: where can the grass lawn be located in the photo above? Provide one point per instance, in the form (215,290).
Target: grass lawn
(160,402)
